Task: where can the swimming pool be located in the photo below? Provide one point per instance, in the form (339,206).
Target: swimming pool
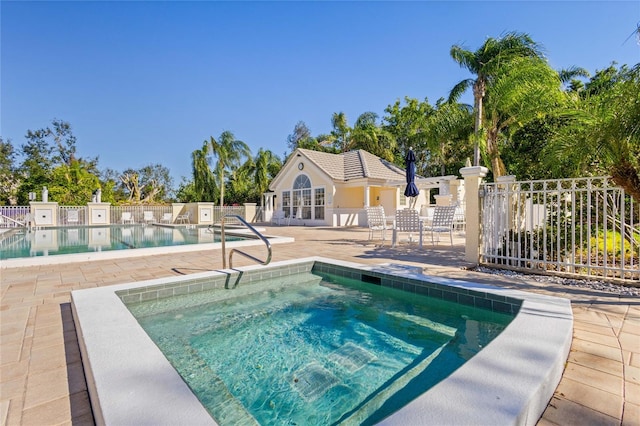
(510,380)
(85,239)
(72,244)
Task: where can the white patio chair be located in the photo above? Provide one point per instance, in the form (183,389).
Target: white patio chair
(376,221)
(126,217)
(184,218)
(148,217)
(442,222)
(166,218)
(279,217)
(408,221)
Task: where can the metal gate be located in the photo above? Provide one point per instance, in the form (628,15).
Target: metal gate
(584,227)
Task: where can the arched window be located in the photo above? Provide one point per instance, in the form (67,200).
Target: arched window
(301,201)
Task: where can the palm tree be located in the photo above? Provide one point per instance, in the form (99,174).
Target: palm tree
(602,130)
(265,166)
(448,126)
(341,132)
(527,90)
(486,63)
(204,182)
(367,135)
(229,152)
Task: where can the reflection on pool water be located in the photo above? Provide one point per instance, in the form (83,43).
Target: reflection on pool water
(314,348)
(72,240)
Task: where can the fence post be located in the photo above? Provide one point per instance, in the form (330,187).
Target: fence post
(472,180)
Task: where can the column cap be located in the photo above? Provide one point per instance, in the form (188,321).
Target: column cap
(479,171)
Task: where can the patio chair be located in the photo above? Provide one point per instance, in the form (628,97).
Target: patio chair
(376,221)
(148,217)
(279,217)
(167,218)
(442,222)
(184,218)
(459,219)
(407,220)
(126,217)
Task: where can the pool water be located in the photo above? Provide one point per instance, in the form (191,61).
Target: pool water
(313,348)
(72,240)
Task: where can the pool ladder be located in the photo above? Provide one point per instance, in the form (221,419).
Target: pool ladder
(235,250)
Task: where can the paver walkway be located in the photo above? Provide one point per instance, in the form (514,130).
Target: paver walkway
(42,380)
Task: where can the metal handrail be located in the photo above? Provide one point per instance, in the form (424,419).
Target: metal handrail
(234,250)
(20,224)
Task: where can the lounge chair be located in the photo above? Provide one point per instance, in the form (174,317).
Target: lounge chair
(126,217)
(167,218)
(407,220)
(442,222)
(148,217)
(376,221)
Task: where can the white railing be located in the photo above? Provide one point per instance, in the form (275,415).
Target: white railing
(581,227)
(14,216)
(72,215)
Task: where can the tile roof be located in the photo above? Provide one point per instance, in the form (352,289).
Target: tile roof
(356,164)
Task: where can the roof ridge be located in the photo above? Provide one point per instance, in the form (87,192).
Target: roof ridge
(363,161)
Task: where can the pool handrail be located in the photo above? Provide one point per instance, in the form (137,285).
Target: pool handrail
(234,250)
(17,223)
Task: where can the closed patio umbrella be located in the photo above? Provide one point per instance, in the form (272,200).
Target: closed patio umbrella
(410,162)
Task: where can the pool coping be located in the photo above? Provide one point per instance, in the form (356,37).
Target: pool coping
(136,252)
(133,383)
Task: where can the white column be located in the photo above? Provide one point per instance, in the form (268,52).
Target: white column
(472,180)
(366,195)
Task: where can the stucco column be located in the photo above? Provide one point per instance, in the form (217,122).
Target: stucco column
(472,180)
(367,193)
(250,212)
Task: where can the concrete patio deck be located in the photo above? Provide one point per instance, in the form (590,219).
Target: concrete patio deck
(42,380)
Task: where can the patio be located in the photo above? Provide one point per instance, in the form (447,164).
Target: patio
(42,380)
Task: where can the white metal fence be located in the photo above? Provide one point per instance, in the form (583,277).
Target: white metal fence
(586,227)
(18,216)
(14,216)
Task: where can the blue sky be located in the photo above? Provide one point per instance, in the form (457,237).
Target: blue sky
(147,82)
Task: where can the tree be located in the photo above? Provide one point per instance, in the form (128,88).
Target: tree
(602,130)
(448,134)
(526,90)
(9,177)
(367,135)
(265,167)
(341,132)
(300,136)
(156,183)
(229,152)
(204,182)
(147,185)
(408,125)
(72,184)
(186,191)
(486,63)
(54,149)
